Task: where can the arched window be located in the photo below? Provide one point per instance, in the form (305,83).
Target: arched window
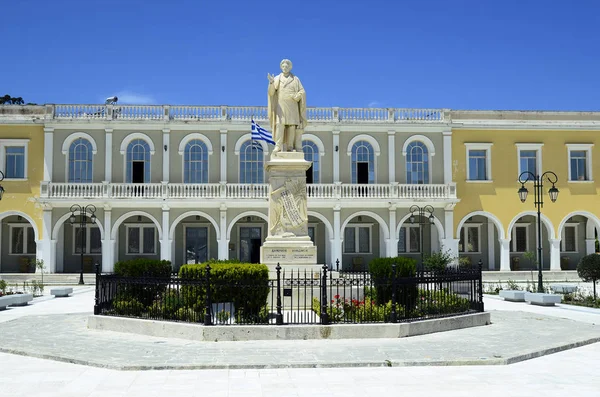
(138,162)
(311,153)
(363,163)
(195,162)
(251,162)
(417,163)
(80,161)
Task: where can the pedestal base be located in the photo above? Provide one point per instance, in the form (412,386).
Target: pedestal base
(288,253)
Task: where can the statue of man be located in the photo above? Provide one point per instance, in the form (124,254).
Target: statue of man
(287,109)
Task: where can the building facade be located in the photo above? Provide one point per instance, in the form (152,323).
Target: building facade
(187,183)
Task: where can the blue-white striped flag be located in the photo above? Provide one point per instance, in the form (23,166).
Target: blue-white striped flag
(260,134)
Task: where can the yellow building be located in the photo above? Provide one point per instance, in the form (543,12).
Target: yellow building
(21,163)
(490,149)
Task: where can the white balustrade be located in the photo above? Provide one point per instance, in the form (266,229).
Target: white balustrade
(195,112)
(321,190)
(363,114)
(136,190)
(243,113)
(194,190)
(245,190)
(247,113)
(79,111)
(138,112)
(74,190)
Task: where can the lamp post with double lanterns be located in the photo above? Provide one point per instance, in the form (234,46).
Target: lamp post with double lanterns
(1,188)
(83,214)
(538,198)
(421,211)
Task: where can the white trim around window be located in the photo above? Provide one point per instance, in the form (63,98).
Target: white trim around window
(563,245)
(88,239)
(407,239)
(488,161)
(25,241)
(465,233)
(4,143)
(537,147)
(141,227)
(513,239)
(586,147)
(356,227)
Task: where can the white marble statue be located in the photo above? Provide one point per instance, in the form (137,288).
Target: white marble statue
(287,109)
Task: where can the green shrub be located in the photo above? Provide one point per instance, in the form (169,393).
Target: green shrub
(589,269)
(381,276)
(142,267)
(131,307)
(440,302)
(437,262)
(244,284)
(147,292)
(167,305)
(3,286)
(344,310)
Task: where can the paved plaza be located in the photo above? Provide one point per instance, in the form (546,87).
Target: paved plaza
(50,335)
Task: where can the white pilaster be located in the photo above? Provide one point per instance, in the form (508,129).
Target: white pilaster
(554,254)
(46,245)
(392,157)
(448,225)
(107,243)
(223,148)
(450,245)
(447,156)
(108,156)
(504,254)
(53,255)
(48,153)
(223,241)
(491,246)
(590,246)
(393,240)
(336,157)
(165,242)
(336,251)
(166,157)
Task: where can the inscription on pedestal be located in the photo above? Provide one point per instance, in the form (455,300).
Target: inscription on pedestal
(305,255)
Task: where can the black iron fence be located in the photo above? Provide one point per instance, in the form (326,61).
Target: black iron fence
(293,297)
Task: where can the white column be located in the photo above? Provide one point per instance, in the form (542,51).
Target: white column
(53,256)
(107,244)
(504,254)
(108,155)
(392,156)
(336,157)
(490,244)
(590,246)
(223,177)
(165,242)
(336,251)
(447,156)
(393,240)
(46,254)
(166,139)
(223,241)
(48,153)
(449,243)
(554,254)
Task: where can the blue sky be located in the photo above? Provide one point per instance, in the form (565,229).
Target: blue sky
(479,54)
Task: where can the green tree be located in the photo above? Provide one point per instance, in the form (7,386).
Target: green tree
(589,269)
(10,100)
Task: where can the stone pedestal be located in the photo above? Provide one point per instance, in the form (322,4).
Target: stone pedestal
(287,241)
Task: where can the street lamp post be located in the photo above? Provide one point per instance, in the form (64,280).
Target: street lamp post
(1,188)
(538,197)
(421,212)
(83,213)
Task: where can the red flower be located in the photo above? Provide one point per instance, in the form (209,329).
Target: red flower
(337,296)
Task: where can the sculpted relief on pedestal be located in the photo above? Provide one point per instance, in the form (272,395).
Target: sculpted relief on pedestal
(287,212)
(286,109)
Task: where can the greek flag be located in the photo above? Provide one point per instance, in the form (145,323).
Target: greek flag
(260,134)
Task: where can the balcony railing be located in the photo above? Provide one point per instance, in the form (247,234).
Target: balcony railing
(240,113)
(52,190)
